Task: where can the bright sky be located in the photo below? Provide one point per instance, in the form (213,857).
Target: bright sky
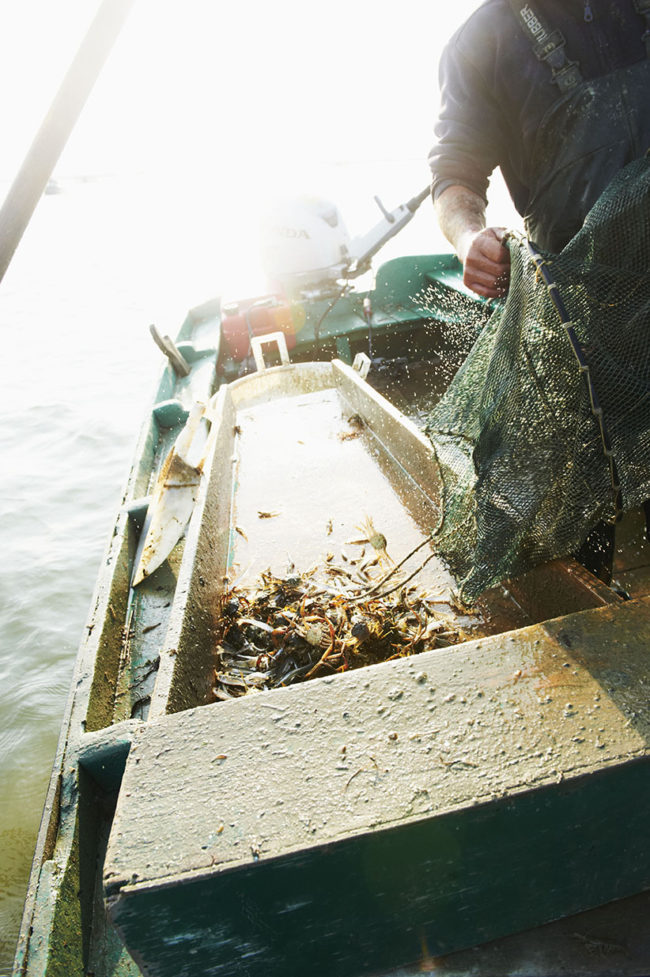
(223,107)
(198,85)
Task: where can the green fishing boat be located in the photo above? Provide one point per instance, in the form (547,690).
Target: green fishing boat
(289,744)
(450,806)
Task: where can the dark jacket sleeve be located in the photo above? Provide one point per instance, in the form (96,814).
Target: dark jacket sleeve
(469,126)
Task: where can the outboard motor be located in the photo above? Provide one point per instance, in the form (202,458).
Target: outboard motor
(305,246)
(306,254)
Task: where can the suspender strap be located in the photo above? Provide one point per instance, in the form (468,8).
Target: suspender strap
(549,46)
(642,7)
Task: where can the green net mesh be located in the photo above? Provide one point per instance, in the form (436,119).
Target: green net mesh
(520,448)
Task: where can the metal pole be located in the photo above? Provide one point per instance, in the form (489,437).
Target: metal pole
(42,156)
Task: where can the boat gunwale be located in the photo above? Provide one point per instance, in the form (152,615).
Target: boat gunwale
(55,838)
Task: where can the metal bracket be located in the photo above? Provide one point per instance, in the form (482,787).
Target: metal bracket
(270,337)
(362,365)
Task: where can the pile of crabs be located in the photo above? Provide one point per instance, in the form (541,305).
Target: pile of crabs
(288,629)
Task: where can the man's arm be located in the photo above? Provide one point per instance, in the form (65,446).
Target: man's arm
(486,262)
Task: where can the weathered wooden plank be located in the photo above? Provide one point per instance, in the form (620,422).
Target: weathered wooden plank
(427,804)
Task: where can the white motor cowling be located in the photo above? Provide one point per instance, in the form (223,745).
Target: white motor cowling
(304,244)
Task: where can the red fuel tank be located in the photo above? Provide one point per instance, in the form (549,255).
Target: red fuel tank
(255,317)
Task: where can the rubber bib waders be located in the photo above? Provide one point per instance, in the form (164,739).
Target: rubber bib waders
(589,133)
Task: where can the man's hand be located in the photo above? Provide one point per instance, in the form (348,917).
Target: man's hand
(486,262)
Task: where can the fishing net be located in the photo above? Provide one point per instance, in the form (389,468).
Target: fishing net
(545,430)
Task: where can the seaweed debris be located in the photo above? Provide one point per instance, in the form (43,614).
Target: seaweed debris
(329,619)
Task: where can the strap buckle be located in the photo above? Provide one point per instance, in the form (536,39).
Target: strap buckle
(566,74)
(548,45)
(568,77)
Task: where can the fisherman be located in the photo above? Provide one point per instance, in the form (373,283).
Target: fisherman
(557,94)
